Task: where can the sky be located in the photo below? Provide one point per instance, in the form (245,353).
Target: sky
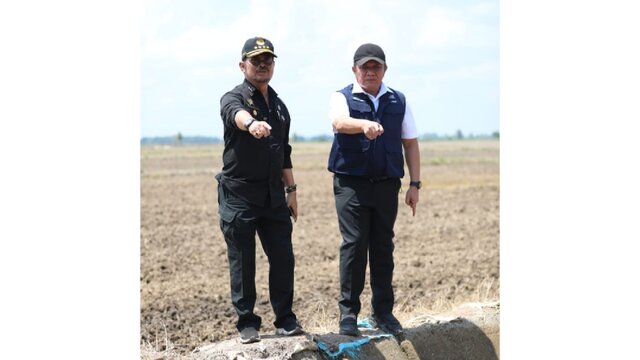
(443,55)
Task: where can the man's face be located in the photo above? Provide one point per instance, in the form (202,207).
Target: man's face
(258,69)
(369,75)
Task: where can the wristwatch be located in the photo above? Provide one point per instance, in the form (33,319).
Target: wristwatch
(248,123)
(417,184)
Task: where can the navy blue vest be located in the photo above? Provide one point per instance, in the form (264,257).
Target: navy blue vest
(373,159)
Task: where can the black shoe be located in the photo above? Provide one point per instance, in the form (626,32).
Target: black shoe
(290,329)
(349,325)
(249,335)
(387,323)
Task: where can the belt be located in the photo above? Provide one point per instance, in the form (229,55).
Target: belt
(362,178)
(378,179)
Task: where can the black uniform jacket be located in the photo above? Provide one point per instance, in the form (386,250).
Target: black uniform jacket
(252,168)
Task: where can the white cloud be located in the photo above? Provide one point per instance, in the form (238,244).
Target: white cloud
(197,43)
(469,72)
(206,43)
(272,15)
(442,27)
(484,9)
(193,48)
(304,25)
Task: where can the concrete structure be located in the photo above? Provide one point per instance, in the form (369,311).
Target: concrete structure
(471,331)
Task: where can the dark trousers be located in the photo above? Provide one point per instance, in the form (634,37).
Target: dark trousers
(239,222)
(366,214)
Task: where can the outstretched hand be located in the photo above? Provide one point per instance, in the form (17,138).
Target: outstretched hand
(260,129)
(372,129)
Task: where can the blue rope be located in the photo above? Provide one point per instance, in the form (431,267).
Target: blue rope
(351,348)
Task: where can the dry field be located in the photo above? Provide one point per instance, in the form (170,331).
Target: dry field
(446,255)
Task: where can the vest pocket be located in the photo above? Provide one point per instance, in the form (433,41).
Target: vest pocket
(395,164)
(353,142)
(351,162)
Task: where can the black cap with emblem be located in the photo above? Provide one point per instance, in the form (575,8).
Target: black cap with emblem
(257,45)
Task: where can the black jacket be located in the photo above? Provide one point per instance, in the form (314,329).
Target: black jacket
(252,168)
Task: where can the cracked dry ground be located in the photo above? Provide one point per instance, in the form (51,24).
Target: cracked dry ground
(446,255)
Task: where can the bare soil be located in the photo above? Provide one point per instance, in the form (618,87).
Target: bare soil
(446,255)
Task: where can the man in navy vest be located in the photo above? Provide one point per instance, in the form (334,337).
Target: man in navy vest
(372,125)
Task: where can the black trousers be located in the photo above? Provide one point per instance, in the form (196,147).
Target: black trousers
(239,222)
(366,214)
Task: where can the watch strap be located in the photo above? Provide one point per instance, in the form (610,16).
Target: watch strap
(248,123)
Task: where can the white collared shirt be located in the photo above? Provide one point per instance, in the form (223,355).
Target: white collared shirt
(338,107)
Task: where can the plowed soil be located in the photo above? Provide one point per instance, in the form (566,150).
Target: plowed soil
(446,255)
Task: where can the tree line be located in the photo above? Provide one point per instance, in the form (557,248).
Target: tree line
(179,139)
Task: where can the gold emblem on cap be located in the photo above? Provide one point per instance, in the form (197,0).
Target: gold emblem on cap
(260,41)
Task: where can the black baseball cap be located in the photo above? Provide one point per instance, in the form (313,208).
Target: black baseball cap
(368,52)
(257,45)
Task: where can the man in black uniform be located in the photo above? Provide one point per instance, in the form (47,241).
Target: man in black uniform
(257,192)
(372,126)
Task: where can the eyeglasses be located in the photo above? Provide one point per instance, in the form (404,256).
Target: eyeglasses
(257,60)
